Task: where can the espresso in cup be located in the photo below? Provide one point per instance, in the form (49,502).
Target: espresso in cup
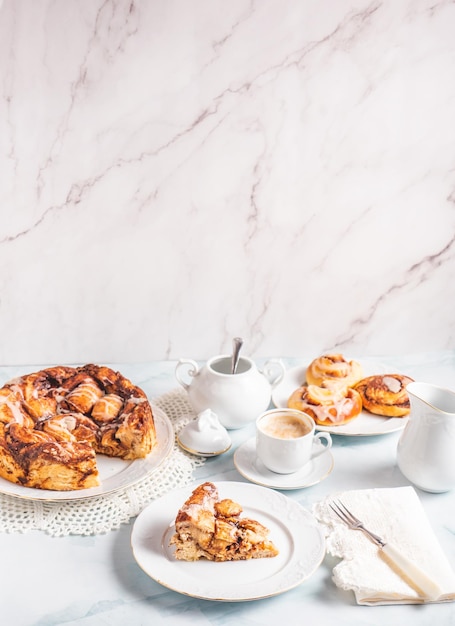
(286,440)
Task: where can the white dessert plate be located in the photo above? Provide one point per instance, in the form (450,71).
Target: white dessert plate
(293,530)
(252,468)
(365,425)
(115,474)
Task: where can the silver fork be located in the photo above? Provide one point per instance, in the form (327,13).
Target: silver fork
(407,568)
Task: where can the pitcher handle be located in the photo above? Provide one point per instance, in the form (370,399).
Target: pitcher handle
(270,368)
(193,371)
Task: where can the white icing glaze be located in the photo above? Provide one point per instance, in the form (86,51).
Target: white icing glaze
(67,421)
(207,504)
(137,400)
(17,414)
(341,406)
(393,384)
(322,401)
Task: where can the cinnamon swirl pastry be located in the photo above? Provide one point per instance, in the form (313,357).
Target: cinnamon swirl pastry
(328,405)
(385,394)
(213,529)
(53,422)
(333,368)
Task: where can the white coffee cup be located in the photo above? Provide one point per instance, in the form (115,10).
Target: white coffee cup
(286,440)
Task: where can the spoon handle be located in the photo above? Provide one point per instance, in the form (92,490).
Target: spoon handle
(237,344)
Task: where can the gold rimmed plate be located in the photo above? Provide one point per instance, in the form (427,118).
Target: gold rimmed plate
(115,474)
(252,468)
(365,425)
(204,453)
(293,530)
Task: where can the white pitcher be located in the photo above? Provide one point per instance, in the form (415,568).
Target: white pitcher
(237,399)
(426,448)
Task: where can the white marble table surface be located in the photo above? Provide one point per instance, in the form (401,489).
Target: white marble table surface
(94,580)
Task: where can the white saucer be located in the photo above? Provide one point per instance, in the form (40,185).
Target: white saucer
(252,468)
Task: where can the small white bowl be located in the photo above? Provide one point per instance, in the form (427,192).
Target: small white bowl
(204,436)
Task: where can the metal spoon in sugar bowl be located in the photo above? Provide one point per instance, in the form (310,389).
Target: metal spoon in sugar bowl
(237,343)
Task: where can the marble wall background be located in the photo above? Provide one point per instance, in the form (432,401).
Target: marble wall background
(178,172)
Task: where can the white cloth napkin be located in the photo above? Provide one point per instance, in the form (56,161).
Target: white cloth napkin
(397,516)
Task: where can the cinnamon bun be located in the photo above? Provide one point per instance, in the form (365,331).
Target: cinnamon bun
(333,368)
(328,405)
(213,529)
(385,394)
(53,422)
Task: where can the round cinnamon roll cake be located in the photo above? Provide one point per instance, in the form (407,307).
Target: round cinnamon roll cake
(328,405)
(333,368)
(385,394)
(53,422)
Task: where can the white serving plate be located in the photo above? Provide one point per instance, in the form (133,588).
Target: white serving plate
(365,425)
(115,474)
(293,530)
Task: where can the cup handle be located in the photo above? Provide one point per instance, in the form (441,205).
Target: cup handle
(318,446)
(193,371)
(270,367)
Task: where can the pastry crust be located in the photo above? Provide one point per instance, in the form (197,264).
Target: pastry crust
(53,422)
(213,529)
(333,368)
(329,405)
(385,394)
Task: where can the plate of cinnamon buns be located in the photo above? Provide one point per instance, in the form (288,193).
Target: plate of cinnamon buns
(345,396)
(69,433)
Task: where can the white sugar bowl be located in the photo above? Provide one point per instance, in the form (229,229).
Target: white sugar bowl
(205,436)
(237,399)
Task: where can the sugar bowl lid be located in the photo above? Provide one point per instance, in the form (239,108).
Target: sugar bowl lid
(204,436)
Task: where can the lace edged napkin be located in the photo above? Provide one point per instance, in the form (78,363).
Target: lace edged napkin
(398,517)
(101,514)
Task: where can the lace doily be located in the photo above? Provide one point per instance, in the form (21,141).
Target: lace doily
(101,514)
